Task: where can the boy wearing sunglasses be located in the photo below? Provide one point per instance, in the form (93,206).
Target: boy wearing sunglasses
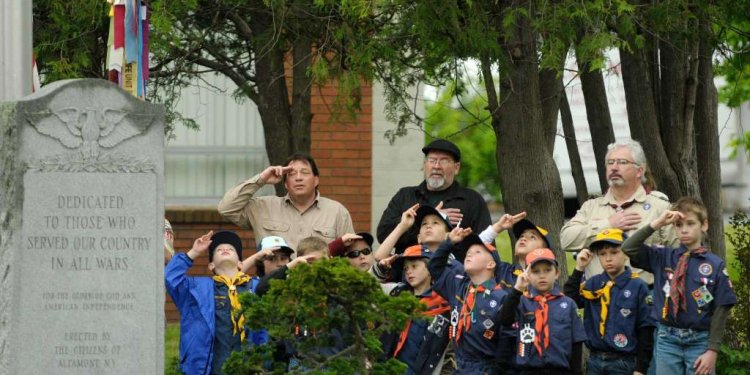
(357,248)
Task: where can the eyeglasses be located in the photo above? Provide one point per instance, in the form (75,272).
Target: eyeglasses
(434,161)
(356,253)
(623,162)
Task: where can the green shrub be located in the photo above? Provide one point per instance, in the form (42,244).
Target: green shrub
(739,237)
(323,297)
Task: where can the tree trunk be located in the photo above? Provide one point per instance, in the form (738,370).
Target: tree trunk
(550,89)
(598,116)
(679,69)
(644,120)
(529,178)
(301,90)
(570,141)
(273,98)
(707,144)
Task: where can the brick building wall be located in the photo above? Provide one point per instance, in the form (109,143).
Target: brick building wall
(343,152)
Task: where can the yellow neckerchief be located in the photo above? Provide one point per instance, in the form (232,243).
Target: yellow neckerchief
(603,295)
(238,279)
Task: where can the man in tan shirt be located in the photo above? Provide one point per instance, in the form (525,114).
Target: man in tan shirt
(299,214)
(626,206)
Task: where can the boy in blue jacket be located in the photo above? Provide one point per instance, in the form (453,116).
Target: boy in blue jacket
(211,327)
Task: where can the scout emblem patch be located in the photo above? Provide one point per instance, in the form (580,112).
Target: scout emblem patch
(564,305)
(488,334)
(625,312)
(438,325)
(620,340)
(705,269)
(702,296)
(627,293)
(493,303)
(647,206)
(527,334)
(488,323)
(454,323)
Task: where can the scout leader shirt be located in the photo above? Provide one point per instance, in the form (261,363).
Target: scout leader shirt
(707,282)
(593,217)
(277,216)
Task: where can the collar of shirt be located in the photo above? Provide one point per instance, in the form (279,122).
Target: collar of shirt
(623,279)
(682,249)
(288,200)
(639,196)
(531,292)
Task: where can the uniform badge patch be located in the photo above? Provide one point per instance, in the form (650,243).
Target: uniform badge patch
(625,312)
(488,323)
(646,207)
(702,296)
(705,269)
(493,303)
(564,305)
(459,276)
(725,272)
(626,293)
(621,340)
(527,334)
(488,334)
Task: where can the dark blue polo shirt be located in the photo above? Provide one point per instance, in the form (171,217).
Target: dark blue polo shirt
(705,269)
(628,311)
(565,329)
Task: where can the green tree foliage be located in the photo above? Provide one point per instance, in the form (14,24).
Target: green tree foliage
(466,121)
(70,38)
(739,336)
(324,297)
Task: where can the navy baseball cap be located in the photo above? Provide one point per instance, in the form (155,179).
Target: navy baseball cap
(423,211)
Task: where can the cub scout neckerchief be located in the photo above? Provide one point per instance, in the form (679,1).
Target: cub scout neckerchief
(238,279)
(436,305)
(677,284)
(467,310)
(541,316)
(603,295)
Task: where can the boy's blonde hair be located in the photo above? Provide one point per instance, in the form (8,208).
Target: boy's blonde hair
(311,245)
(692,205)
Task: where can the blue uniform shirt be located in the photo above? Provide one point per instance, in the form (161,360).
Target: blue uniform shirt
(482,341)
(628,311)
(225,341)
(565,329)
(705,269)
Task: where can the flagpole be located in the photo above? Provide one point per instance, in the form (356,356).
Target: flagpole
(15,49)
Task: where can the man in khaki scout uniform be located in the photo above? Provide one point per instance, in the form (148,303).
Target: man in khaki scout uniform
(299,214)
(626,205)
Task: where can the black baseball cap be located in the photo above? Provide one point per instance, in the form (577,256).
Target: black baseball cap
(445,146)
(227,237)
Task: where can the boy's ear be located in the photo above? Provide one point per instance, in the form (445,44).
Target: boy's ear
(491,265)
(211,266)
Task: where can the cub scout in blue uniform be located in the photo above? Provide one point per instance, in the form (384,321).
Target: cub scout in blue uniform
(694,296)
(211,327)
(550,333)
(422,342)
(617,317)
(475,299)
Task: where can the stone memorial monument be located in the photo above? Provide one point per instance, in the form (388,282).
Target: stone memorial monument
(81,228)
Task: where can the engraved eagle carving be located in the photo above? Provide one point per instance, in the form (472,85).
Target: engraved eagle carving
(88,129)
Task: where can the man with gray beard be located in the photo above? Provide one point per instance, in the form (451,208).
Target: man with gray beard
(461,206)
(626,205)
